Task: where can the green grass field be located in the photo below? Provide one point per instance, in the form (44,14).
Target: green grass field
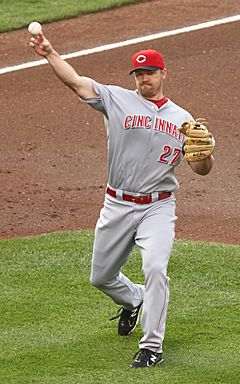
(19,13)
(55,327)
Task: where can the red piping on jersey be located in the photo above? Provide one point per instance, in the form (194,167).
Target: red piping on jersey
(163,308)
(159,103)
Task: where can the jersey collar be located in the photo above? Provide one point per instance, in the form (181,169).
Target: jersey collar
(159,103)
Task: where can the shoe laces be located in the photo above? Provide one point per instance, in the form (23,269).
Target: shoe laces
(122,312)
(143,355)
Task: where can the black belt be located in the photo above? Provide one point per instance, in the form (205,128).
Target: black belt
(145,199)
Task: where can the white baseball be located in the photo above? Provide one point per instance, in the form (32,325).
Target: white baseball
(35,28)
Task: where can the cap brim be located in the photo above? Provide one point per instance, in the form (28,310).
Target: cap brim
(144,67)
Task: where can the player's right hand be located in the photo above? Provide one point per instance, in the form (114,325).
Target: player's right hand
(41,45)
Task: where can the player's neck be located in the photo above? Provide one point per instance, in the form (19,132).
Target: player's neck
(157,97)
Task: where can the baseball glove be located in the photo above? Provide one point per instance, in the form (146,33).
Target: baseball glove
(199,143)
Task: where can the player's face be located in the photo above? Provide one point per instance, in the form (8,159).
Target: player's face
(150,83)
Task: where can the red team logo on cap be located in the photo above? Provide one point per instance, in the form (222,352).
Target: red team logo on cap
(141,58)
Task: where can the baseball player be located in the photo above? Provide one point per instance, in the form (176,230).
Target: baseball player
(144,147)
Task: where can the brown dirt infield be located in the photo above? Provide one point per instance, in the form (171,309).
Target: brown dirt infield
(53,150)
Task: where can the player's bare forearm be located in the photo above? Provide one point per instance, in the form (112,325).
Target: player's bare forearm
(67,74)
(64,71)
(202,167)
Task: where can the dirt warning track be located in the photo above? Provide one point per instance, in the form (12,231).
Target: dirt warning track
(53,149)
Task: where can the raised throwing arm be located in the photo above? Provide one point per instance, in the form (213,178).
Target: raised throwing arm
(81,85)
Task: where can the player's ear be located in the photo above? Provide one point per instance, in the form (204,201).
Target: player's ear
(164,73)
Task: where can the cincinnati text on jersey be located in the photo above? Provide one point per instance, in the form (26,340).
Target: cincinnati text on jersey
(161,125)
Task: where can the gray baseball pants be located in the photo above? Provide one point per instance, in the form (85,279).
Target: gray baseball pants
(151,227)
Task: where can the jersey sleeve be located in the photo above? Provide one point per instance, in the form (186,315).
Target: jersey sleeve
(101,102)
(190,118)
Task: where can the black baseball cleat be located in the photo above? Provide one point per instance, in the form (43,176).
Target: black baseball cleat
(128,320)
(146,358)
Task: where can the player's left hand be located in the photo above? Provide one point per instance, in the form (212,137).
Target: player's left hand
(199,143)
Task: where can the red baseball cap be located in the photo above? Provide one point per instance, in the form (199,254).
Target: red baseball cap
(148,59)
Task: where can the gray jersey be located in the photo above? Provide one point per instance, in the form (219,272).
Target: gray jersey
(143,140)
